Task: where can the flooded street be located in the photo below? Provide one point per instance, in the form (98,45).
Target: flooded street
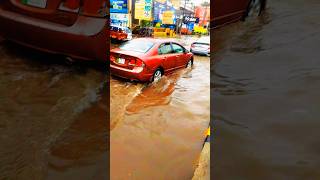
(157,130)
(52,117)
(265,98)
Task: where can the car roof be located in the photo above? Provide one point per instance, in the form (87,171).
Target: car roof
(156,40)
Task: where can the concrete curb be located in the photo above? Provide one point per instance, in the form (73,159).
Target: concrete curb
(203,170)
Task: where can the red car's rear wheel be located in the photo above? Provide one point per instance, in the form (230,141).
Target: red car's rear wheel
(157,75)
(189,64)
(254,9)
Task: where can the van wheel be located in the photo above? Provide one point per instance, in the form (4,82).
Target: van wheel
(157,75)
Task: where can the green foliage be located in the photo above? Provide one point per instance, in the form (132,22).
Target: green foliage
(145,23)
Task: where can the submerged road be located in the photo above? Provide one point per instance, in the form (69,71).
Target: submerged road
(157,130)
(266,94)
(52,117)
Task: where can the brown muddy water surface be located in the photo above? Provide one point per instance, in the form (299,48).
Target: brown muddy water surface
(52,117)
(266,95)
(157,130)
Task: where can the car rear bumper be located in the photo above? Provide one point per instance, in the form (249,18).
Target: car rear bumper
(199,52)
(129,74)
(86,39)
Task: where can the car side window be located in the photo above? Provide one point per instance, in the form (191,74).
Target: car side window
(165,49)
(177,48)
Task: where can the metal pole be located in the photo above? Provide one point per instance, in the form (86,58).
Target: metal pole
(181,20)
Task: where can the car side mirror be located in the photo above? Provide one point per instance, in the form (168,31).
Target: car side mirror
(185,51)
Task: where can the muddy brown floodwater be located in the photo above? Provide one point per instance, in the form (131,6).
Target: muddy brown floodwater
(266,95)
(52,117)
(157,130)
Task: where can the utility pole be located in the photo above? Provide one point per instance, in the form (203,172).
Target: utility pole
(206,5)
(183,12)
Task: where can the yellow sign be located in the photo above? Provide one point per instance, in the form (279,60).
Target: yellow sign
(161,1)
(175,3)
(167,17)
(143,9)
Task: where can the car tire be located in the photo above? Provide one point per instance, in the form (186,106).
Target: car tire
(254,9)
(189,63)
(157,75)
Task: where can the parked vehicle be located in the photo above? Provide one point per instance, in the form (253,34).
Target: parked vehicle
(226,11)
(201,46)
(185,31)
(120,33)
(143,31)
(73,28)
(147,59)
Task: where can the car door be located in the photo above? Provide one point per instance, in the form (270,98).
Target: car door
(168,60)
(227,10)
(178,52)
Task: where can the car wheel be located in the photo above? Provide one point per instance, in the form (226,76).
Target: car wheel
(157,75)
(254,9)
(189,64)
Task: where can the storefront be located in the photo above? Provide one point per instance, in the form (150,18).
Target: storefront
(189,22)
(119,13)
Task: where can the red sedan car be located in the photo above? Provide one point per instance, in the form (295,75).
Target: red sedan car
(147,59)
(74,28)
(226,11)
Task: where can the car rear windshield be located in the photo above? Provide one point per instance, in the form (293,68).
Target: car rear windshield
(137,46)
(201,43)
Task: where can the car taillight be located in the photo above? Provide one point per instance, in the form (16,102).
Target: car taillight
(139,63)
(95,8)
(192,45)
(136,63)
(70,5)
(112,58)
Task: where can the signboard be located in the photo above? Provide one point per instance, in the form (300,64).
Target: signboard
(188,19)
(119,6)
(167,17)
(161,1)
(143,9)
(119,19)
(203,14)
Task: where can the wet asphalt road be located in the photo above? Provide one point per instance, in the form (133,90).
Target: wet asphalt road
(52,117)
(157,130)
(266,95)
(53,120)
